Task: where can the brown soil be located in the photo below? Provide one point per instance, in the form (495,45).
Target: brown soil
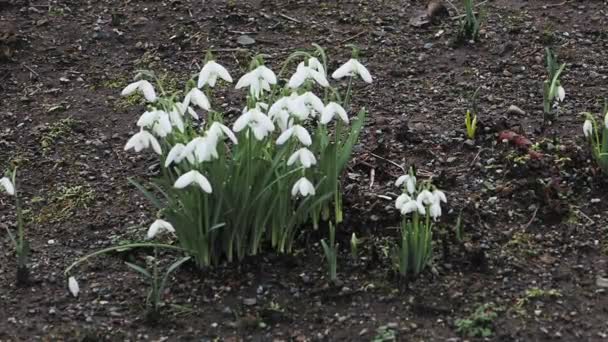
(529,223)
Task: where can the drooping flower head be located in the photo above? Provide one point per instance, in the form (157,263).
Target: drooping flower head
(8,186)
(142,140)
(210,72)
(303,187)
(331,111)
(258,80)
(304,156)
(588,128)
(193,177)
(257,121)
(352,68)
(144,87)
(299,132)
(410,183)
(303,73)
(159,226)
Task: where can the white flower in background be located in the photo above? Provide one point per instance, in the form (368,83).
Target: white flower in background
(304,187)
(300,132)
(158,121)
(304,73)
(426,197)
(175,155)
(8,186)
(144,87)
(561,93)
(307,104)
(331,111)
(606,120)
(210,72)
(588,128)
(182,109)
(304,156)
(197,98)
(260,124)
(193,177)
(258,80)
(158,227)
(202,148)
(141,140)
(410,183)
(352,68)
(440,196)
(218,130)
(73,286)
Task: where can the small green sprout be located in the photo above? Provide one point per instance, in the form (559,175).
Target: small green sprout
(479,323)
(471,124)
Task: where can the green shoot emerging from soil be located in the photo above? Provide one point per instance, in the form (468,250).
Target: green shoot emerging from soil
(331,253)
(469,24)
(597,135)
(553,92)
(479,323)
(22,249)
(418,204)
(471,124)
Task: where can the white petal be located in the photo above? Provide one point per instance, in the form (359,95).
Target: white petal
(302,135)
(147,118)
(345,70)
(267,74)
(7,185)
(285,136)
(130,89)
(185,179)
(73,286)
(363,72)
(588,128)
(148,90)
(198,98)
(203,182)
(561,93)
(242,122)
(174,154)
(400,180)
(401,200)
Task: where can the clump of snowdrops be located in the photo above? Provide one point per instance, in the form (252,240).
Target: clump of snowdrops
(230,189)
(420,208)
(597,135)
(21,245)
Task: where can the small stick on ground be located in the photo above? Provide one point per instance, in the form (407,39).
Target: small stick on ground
(290,18)
(352,37)
(532,219)
(390,161)
(31,70)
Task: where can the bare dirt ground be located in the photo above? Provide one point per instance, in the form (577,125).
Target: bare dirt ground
(535,228)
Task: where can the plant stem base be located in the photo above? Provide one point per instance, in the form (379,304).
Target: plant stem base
(23,276)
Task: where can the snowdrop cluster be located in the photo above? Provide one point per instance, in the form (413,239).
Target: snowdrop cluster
(597,135)
(412,201)
(221,173)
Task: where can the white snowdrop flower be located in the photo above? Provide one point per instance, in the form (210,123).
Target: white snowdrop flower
(401,200)
(300,132)
(260,124)
(144,87)
(258,80)
(210,72)
(147,119)
(561,93)
(304,187)
(435,210)
(307,104)
(606,120)
(219,130)
(197,98)
(202,148)
(304,156)
(174,154)
(158,227)
(410,183)
(73,286)
(8,186)
(304,73)
(332,110)
(279,112)
(193,177)
(426,197)
(588,128)
(352,68)
(158,121)
(316,65)
(141,140)
(412,206)
(440,196)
